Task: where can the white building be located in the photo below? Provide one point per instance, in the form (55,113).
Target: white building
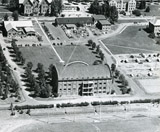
(154,26)
(124,5)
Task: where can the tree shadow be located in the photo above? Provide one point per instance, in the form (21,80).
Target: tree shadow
(117,81)
(147,30)
(94,52)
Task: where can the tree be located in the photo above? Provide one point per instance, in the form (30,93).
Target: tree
(28,112)
(56,7)
(93,45)
(50,70)
(147,9)
(125,83)
(28,72)
(117,73)
(121,78)
(5,17)
(90,42)
(15,15)
(142,4)
(113,14)
(30,65)
(39,67)
(97,48)
(54,80)
(113,67)
(37,89)
(136,12)
(102,56)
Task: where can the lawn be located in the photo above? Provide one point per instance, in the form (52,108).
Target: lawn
(154,11)
(131,40)
(44,55)
(79,53)
(3,11)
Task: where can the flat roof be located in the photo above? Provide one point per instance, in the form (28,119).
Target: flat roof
(99,17)
(104,22)
(80,71)
(74,20)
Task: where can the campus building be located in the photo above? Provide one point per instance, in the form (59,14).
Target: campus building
(124,5)
(154,26)
(74,20)
(15,29)
(84,80)
(36,7)
(104,25)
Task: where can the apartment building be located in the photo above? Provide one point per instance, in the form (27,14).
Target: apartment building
(124,5)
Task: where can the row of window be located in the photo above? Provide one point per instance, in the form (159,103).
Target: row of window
(69,84)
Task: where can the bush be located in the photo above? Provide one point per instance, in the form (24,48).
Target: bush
(151,35)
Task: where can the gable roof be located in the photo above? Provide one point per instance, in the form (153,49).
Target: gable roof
(156,21)
(74,20)
(31,1)
(9,26)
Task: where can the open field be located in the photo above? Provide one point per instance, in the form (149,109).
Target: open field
(133,125)
(150,85)
(131,40)
(77,53)
(44,55)
(3,11)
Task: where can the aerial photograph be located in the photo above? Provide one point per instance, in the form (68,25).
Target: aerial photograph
(79,65)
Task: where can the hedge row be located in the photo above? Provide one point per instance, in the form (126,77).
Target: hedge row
(146,101)
(33,106)
(104,103)
(72,105)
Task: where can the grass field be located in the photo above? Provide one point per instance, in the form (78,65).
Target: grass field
(81,53)
(131,40)
(132,125)
(3,11)
(44,55)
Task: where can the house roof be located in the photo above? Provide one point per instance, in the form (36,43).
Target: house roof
(29,29)
(99,17)
(79,71)
(74,20)
(104,22)
(70,25)
(22,1)
(9,26)
(19,23)
(121,1)
(156,21)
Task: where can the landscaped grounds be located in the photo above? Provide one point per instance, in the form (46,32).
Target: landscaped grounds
(132,40)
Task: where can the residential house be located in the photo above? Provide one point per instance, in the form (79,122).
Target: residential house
(84,80)
(104,25)
(154,26)
(25,7)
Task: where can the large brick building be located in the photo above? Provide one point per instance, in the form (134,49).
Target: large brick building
(84,80)
(124,5)
(36,7)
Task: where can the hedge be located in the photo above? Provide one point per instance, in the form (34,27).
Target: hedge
(72,105)
(33,106)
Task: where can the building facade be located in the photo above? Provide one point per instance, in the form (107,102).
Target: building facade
(34,7)
(84,80)
(124,5)
(154,26)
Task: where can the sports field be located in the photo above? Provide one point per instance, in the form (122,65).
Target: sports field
(131,40)
(150,85)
